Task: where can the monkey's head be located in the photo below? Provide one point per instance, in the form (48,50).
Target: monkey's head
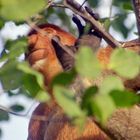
(41,52)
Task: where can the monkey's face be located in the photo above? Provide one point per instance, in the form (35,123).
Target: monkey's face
(41,52)
(39,48)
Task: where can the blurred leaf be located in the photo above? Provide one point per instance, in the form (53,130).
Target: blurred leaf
(107,23)
(42,96)
(125,62)
(119,25)
(111,83)
(123,4)
(20,9)
(87,99)
(127,6)
(124,98)
(4,116)
(66,20)
(33,82)
(80,122)
(103,106)
(15,48)
(15,74)
(93,3)
(136,33)
(17,108)
(87,28)
(120,2)
(66,100)
(2,22)
(24,67)
(87,63)
(64,78)
(10,76)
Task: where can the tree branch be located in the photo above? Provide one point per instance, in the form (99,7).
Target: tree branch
(136,6)
(76,8)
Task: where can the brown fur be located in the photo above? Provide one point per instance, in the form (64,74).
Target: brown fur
(42,57)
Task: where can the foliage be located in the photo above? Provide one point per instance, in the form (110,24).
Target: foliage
(16,74)
(125,63)
(17,77)
(19,9)
(86,56)
(111,93)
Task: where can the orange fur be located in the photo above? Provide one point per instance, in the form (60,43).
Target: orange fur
(42,57)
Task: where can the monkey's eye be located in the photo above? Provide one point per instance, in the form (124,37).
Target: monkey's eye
(50,31)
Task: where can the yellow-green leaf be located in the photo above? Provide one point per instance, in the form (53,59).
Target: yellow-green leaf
(111,83)
(20,9)
(87,64)
(125,62)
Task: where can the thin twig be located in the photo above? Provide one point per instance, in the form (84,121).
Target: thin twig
(65,48)
(49,3)
(58,5)
(73,5)
(5,109)
(34,117)
(77,9)
(33,24)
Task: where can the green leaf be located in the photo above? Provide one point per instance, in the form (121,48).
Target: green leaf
(119,2)
(125,62)
(107,23)
(87,99)
(64,78)
(24,67)
(127,6)
(4,116)
(65,98)
(87,64)
(34,82)
(111,83)
(103,106)
(20,9)
(87,28)
(10,77)
(93,3)
(124,98)
(42,96)
(80,122)
(15,48)
(14,75)
(17,108)
(119,24)
(2,22)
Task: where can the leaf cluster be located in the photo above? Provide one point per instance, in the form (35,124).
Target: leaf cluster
(111,94)
(99,101)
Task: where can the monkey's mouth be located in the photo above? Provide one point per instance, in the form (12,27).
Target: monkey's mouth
(31,50)
(36,55)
